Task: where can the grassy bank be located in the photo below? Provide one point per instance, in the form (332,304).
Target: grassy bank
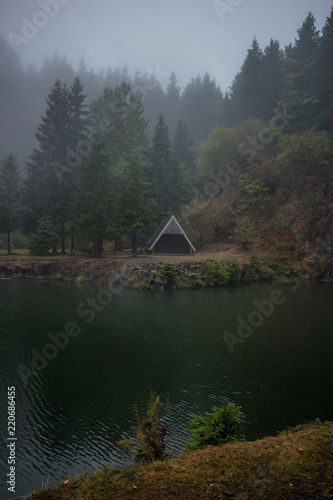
(294,465)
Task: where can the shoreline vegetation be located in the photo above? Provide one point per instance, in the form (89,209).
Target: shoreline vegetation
(296,464)
(208,268)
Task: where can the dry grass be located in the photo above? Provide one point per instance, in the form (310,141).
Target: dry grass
(291,466)
(209,252)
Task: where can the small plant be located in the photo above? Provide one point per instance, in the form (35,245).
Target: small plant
(255,266)
(220,425)
(148,443)
(170,270)
(82,279)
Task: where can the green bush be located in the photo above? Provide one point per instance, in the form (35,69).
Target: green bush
(267,273)
(221,425)
(221,272)
(255,266)
(170,270)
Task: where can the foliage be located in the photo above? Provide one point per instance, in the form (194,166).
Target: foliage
(256,197)
(148,444)
(221,425)
(45,237)
(221,272)
(134,210)
(244,233)
(304,154)
(9,193)
(19,240)
(91,206)
(255,266)
(170,270)
(210,221)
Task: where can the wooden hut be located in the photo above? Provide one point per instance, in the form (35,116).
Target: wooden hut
(170,238)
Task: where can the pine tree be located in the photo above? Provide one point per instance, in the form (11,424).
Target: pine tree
(183,147)
(9,192)
(250,84)
(325,75)
(134,207)
(92,204)
(172,103)
(160,157)
(307,41)
(47,163)
(272,78)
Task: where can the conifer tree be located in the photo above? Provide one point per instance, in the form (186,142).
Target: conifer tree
(272,78)
(48,160)
(9,193)
(91,207)
(250,84)
(172,103)
(307,41)
(134,211)
(183,147)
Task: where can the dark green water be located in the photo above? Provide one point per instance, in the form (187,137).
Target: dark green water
(70,414)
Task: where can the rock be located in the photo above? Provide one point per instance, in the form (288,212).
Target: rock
(226,247)
(160,280)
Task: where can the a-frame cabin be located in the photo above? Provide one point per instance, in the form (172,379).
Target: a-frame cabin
(170,238)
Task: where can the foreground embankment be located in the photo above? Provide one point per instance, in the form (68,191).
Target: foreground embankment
(295,465)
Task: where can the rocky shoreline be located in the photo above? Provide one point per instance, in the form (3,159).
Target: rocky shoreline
(118,273)
(144,275)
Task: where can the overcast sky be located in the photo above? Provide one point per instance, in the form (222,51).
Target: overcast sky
(187,36)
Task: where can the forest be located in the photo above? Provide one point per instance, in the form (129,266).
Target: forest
(108,156)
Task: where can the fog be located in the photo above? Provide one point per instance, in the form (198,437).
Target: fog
(187,36)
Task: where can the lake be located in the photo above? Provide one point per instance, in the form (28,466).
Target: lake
(73,398)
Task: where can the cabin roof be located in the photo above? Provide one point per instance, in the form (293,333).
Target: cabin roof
(168,226)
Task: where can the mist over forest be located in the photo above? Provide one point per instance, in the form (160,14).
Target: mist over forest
(269,132)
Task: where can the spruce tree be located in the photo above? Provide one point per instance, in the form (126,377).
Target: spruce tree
(183,147)
(92,204)
(272,78)
(9,193)
(47,163)
(134,211)
(172,103)
(307,41)
(250,84)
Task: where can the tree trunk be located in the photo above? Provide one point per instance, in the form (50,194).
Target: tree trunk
(8,242)
(63,249)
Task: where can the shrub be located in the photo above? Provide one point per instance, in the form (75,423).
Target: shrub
(221,425)
(255,266)
(221,272)
(148,443)
(170,270)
